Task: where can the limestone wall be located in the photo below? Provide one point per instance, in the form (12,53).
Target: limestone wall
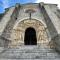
(43,19)
(53,23)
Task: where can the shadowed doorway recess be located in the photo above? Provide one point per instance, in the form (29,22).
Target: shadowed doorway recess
(30,36)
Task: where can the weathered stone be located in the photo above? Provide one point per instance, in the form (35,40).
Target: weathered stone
(43,18)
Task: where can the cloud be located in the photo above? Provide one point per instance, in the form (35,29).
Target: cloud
(5,3)
(49,1)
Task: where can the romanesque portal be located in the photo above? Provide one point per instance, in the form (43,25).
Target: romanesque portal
(29,32)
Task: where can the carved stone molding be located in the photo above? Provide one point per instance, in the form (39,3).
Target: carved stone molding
(18,32)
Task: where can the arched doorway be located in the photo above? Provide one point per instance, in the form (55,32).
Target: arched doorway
(19,33)
(30,36)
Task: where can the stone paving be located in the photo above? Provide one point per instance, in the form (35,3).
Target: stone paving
(30,53)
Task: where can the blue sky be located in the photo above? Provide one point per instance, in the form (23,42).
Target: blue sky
(7,3)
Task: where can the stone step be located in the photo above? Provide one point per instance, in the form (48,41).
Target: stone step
(29,52)
(29,59)
(29,55)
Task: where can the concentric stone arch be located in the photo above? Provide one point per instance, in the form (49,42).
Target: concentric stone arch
(17,22)
(18,32)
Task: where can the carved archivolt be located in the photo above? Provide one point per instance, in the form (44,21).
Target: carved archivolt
(18,32)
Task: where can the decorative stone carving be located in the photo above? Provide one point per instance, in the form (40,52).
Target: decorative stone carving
(18,32)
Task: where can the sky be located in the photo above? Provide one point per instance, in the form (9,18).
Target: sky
(8,3)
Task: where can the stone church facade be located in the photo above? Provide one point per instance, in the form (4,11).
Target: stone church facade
(32,24)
